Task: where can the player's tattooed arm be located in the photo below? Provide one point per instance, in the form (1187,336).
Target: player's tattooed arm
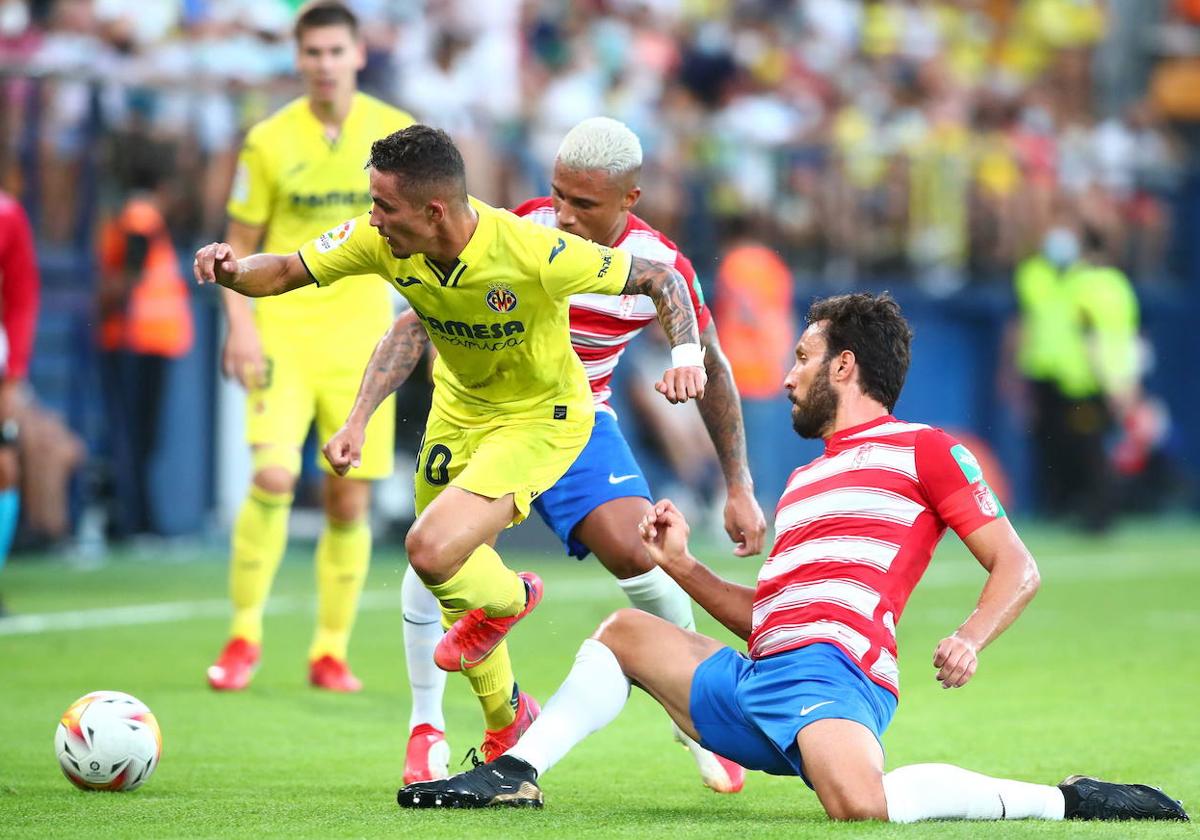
(393,360)
(684,380)
(667,288)
(721,410)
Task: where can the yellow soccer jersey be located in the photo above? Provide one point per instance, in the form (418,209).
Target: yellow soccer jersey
(498,318)
(295,182)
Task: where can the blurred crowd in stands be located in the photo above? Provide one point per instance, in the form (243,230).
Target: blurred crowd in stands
(929,138)
(790,145)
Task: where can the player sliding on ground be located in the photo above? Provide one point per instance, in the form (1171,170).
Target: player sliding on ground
(855,531)
(596,506)
(511,404)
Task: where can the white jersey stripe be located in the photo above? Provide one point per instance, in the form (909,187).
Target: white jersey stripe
(868,456)
(839,592)
(886,668)
(793,635)
(853,550)
(857,502)
(884,429)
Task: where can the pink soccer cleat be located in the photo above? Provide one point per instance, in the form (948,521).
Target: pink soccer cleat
(474,636)
(428,755)
(235,666)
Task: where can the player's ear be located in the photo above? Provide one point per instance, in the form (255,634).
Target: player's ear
(435,210)
(631,198)
(360,50)
(843,365)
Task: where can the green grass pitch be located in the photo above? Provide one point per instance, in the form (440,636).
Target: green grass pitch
(1101,676)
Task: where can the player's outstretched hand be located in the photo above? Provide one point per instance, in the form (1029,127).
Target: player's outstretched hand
(242,357)
(344,449)
(664,533)
(744,522)
(680,384)
(215,263)
(956,660)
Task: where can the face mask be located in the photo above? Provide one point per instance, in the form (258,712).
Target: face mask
(1061,247)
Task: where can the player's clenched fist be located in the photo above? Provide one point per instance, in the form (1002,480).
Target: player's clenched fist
(680,384)
(344,449)
(664,533)
(956,660)
(215,263)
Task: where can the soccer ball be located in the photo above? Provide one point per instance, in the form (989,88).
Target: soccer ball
(108,740)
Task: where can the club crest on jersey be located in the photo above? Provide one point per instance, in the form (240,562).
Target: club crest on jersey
(986,500)
(501,299)
(335,238)
(861,456)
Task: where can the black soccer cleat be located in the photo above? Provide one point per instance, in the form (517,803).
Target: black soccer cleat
(1091,799)
(507,782)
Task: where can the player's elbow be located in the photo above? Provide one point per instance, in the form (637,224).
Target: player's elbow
(1033,578)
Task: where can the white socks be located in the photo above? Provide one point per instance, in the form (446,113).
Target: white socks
(656,593)
(942,791)
(422,632)
(590,698)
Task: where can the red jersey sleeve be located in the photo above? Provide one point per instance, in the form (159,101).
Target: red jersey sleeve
(684,266)
(19,287)
(954,483)
(527,207)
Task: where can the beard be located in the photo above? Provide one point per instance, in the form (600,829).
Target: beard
(815,413)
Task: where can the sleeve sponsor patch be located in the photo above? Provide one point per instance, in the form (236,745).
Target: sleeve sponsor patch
(967,463)
(335,238)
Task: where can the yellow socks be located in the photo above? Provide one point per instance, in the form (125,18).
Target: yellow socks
(492,682)
(259,539)
(483,581)
(343,555)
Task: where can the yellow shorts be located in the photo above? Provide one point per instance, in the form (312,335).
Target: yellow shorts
(317,377)
(524,458)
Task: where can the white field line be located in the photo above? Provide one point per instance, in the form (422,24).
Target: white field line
(947,573)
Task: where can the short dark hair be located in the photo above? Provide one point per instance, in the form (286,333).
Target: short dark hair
(319,13)
(425,157)
(874,330)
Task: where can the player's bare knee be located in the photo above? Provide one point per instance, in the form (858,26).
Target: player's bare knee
(346,505)
(422,550)
(621,631)
(630,561)
(275,480)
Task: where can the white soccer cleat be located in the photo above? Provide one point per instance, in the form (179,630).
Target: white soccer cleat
(719,774)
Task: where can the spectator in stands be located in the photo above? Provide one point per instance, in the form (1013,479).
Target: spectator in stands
(1046,333)
(754,307)
(1102,382)
(145,322)
(19,290)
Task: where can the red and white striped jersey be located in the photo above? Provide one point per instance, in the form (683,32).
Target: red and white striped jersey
(602,325)
(855,530)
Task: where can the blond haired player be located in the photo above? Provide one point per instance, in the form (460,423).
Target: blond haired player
(511,404)
(300,173)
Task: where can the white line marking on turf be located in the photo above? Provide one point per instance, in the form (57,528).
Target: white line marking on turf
(949,573)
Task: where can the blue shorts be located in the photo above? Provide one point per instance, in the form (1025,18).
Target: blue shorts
(605,470)
(751,710)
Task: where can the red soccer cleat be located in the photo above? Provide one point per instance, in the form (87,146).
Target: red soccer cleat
(428,755)
(497,742)
(332,675)
(235,666)
(474,636)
